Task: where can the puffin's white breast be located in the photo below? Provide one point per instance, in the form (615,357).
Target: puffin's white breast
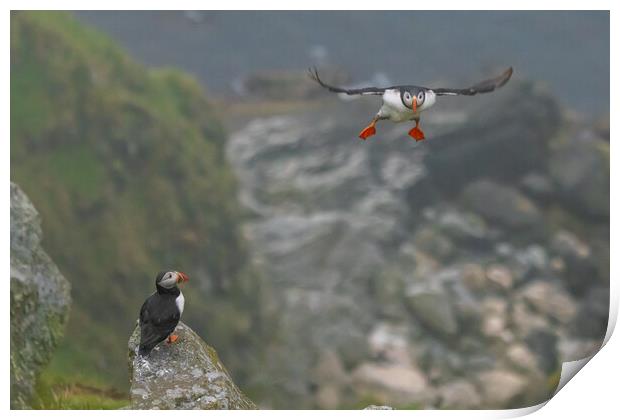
(394,109)
(180,301)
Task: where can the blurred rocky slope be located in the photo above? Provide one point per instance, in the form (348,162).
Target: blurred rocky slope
(40,300)
(455,273)
(126,167)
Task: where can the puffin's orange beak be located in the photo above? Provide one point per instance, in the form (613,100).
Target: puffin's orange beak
(415,104)
(182,277)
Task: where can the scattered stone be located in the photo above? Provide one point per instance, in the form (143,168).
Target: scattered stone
(531,260)
(494,305)
(501,204)
(390,343)
(389,288)
(579,165)
(494,323)
(500,276)
(474,277)
(185,375)
(521,357)
(434,243)
(40,300)
(493,326)
(433,307)
(391,383)
(537,185)
(557,264)
(462,225)
(425,265)
(579,267)
(593,314)
(330,368)
(328,396)
(525,320)
(505,249)
(543,343)
(501,388)
(459,395)
(547,298)
(378,407)
(479,362)
(398,173)
(568,244)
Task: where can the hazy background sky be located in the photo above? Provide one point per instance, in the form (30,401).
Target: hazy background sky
(567,50)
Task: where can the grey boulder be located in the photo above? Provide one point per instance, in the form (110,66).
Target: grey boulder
(579,166)
(40,300)
(502,204)
(185,375)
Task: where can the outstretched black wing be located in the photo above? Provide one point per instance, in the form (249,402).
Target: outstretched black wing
(482,87)
(314,75)
(156,325)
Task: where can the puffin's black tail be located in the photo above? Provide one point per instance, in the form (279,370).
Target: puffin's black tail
(144,351)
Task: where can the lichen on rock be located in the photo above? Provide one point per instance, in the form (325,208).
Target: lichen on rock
(40,300)
(185,375)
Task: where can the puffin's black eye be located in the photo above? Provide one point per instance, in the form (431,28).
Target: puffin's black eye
(421,97)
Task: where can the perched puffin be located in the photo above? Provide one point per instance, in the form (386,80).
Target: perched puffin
(405,103)
(161,311)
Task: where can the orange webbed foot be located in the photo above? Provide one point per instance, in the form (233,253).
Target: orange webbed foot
(417,134)
(172,339)
(367,132)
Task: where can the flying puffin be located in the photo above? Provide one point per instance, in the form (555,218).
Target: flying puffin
(405,103)
(160,312)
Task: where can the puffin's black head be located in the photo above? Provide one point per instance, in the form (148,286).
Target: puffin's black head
(168,280)
(413,97)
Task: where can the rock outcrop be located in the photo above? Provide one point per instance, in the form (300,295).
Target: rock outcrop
(40,300)
(185,375)
(579,165)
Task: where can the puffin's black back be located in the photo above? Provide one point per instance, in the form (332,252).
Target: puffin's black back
(159,316)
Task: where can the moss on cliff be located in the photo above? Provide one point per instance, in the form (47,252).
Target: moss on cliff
(126,167)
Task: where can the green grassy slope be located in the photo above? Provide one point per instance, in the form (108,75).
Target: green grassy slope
(126,168)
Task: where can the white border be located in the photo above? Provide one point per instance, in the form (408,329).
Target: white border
(592,394)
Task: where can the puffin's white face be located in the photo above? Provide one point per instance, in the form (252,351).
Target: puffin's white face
(418,99)
(172,278)
(426,99)
(423,99)
(408,99)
